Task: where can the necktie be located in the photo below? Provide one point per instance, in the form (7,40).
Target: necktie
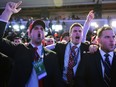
(70,73)
(36,57)
(107,74)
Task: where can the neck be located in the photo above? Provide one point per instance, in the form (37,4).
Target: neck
(36,44)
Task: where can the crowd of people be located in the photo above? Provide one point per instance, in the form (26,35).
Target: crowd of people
(69,61)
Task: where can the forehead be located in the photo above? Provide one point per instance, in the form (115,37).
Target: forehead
(17,39)
(50,40)
(108,33)
(77,28)
(38,26)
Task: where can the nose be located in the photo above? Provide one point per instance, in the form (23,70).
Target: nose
(77,33)
(39,29)
(112,39)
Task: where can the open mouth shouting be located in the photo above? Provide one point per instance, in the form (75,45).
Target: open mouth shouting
(39,35)
(77,37)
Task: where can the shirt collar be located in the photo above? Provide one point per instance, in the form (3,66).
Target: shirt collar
(78,45)
(103,53)
(39,47)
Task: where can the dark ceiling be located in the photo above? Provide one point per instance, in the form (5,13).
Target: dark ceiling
(35,8)
(53,3)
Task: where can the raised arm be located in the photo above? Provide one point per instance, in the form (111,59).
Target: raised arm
(86,27)
(5,45)
(11,8)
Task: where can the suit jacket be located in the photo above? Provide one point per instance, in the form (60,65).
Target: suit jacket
(5,69)
(53,78)
(91,73)
(23,58)
(60,50)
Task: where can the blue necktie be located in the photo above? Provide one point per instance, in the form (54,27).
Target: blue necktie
(107,71)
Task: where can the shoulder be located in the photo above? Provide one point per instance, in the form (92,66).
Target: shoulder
(84,47)
(92,55)
(61,44)
(51,46)
(84,44)
(46,50)
(21,48)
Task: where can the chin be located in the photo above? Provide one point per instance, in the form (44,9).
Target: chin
(76,43)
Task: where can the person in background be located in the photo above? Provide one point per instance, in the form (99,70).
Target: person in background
(17,40)
(65,37)
(56,37)
(99,68)
(49,40)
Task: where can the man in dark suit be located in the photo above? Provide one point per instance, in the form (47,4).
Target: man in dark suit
(95,72)
(24,73)
(50,60)
(5,69)
(63,51)
(21,55)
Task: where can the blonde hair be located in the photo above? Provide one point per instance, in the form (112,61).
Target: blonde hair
(73,25)
(100,30)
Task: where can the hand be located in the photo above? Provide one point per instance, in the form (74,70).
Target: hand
(90,16)
(13,7)
(93,48)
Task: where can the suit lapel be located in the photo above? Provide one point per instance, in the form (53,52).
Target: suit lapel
(114,61)
(98,63)
(61,54)
(32,50)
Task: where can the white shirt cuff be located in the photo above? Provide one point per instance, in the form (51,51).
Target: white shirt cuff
(3,20)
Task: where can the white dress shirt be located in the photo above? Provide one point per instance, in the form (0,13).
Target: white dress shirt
(66,59)
(33,81)
(103,57)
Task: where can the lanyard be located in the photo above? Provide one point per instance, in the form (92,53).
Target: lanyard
(42,54)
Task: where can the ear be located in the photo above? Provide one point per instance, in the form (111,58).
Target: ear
(98,39)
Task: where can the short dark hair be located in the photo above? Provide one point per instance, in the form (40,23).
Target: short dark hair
(64,35)
(17,38)
(73,25)
(100,30)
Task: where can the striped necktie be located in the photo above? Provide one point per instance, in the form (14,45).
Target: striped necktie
(70,73)
(107,71)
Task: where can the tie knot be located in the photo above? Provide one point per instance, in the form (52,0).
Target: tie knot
(73,48)
(106,55)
